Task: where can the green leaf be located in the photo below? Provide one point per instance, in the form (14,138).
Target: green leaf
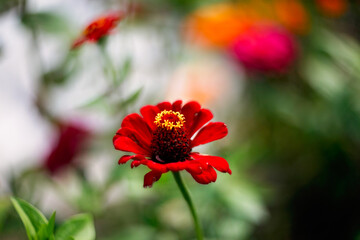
(131,99)
(6,5)
(42,234)
(56,76)
(325,78)
(5,206)
(32,218)
(124,71)
(51,224)
(99,101)
(47,21)
(46,231)
(78,227)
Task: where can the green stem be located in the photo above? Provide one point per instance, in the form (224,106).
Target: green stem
(108,62)
(187,198)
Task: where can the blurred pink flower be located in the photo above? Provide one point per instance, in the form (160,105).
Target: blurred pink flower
(265,48)
(71,138)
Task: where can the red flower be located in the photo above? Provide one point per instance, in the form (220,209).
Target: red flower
(70,141)
(99,28)
(163,139)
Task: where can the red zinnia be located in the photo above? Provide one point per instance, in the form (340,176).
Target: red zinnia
(99,28)
(163,138)
(71,138)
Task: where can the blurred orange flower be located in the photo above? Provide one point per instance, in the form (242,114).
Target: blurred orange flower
(218,24)
(206,81)
(292,15)
(332,8)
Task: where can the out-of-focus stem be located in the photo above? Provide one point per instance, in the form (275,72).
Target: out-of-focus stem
(108,62)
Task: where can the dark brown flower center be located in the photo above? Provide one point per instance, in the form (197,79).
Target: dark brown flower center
(170,142)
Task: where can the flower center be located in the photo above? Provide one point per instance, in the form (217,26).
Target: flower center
(169,119)
(170,142)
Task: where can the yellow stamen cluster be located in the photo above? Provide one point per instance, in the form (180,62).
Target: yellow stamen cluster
(165,123)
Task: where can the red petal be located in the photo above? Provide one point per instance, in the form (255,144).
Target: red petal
(150,164)
(164,106)
(189,110)
(137,163)
(207,176)
(141,140)
(136,122)
(78,42)
(194,167)
(176,106)
(149,112)
(116,136)
(156,166)
(151,177)
(211,132)
(201,118)
(218,163)
(126,144)
(126,158)
(177,166)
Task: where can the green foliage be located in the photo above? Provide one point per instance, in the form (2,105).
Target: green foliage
(6,5)
(5,205)
(60,74)
(79,227)
(34,221)
(46,230)
(131,99)
(124,71)
(46,21)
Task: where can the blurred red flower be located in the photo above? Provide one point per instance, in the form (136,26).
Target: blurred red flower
(70,141)
(99,28)
(265,48)
(163,139)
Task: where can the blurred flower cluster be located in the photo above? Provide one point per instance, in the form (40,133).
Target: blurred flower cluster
(83,79)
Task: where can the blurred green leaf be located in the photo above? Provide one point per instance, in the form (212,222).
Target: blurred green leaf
(56,76)
(78,227)
(90,198)
(244,201)
(344,50)
(124,71)
(5,205)
(324,77)
(98,101)
(131,99)
(6,5)
(61,73)
(116,173)
(32,218)
(139,233)
(46,21)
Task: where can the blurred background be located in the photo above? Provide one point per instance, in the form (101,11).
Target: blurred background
(284,75)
